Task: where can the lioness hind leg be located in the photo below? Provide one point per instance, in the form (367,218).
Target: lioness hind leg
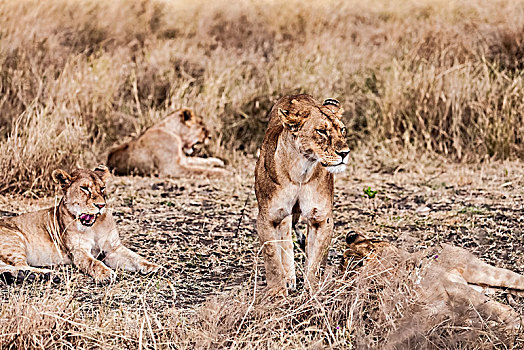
(487,308)
(502,313)
(484,274)
(495,311)
(13,256)
(476,271)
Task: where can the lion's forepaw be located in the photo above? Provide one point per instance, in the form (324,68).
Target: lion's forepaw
(147,267)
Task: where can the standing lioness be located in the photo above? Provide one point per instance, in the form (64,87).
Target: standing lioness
(77,230)
(303,146)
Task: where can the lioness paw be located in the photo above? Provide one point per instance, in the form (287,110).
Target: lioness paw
(216,162)
(102,273)
(148,267)
(276,292)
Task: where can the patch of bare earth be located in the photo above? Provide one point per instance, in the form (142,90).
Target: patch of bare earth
(203,232)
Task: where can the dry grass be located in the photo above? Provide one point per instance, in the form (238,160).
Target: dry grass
(368,309)
(437,76)
(441,78)
(211,293)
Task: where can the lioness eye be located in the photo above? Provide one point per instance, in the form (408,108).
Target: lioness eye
(102,189)
(85,189)
(343,131)
(322,132)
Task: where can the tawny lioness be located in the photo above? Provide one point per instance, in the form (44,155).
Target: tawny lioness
(303,147)
(444,277)
(165,148)
(76,231)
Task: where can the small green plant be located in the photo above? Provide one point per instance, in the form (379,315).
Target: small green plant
(472,210)
(369,192)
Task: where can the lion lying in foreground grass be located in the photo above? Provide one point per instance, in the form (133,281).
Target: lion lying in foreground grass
(445,278)
(76,231)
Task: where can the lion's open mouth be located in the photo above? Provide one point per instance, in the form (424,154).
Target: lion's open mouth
(87,219)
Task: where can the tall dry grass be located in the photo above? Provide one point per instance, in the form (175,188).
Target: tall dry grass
(370,308)
(440,76)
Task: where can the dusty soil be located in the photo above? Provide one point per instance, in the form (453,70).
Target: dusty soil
(203,231)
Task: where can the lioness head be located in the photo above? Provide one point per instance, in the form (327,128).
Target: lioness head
(360,248)
(84,193)
(319,133)
(193,131)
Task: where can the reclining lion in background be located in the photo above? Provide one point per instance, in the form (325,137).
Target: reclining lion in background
(444,278)
(76,231)
(164,149)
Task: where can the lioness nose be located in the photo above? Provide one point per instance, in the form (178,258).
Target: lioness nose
(100,205)
(343,153)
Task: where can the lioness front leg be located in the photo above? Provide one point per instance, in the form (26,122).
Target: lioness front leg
(271,250)
(93,267)
(124,258)
(287,254)
(174,163)
(319,234)
(210,161)
(184,168)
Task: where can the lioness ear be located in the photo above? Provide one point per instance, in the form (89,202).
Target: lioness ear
(187,115)
(103,172)
(290,121)
(61,177)
(334,106)
(353,237)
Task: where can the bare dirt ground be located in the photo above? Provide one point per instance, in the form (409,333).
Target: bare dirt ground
(203,231)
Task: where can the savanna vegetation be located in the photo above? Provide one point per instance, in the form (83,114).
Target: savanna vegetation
(425,84)
(76,77)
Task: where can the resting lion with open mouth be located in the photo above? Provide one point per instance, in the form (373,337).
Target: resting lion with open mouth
(76,231)
(303,147)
